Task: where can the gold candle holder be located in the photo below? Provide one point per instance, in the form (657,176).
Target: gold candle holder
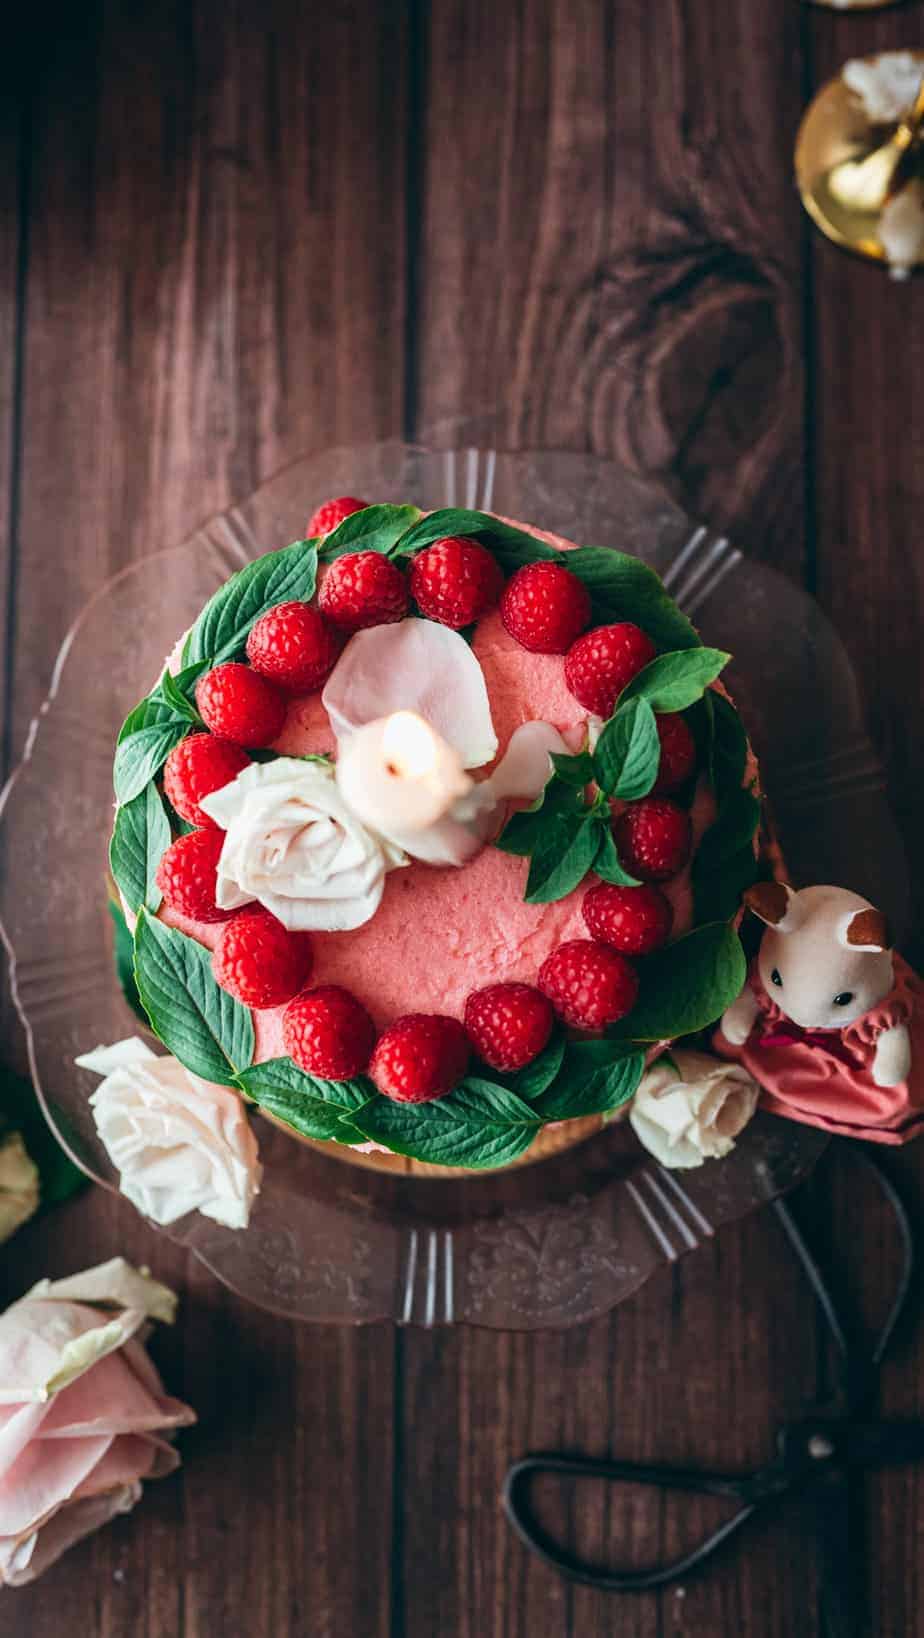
(848,168)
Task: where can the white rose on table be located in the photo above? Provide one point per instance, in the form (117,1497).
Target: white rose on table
(691,1107)
(85,1415)
(179,1143)
(292,843)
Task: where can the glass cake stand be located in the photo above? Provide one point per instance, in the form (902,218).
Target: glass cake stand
(548,1244)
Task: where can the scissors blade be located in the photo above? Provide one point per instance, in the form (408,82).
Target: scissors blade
(840,1597)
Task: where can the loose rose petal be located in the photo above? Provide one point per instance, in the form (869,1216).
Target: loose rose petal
(419,666)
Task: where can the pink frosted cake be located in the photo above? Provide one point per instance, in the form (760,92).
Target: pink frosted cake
(432,829)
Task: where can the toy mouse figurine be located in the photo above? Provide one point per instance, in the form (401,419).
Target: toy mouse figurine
(831,1022)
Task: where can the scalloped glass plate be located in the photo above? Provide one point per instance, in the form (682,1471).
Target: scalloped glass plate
(549,1244)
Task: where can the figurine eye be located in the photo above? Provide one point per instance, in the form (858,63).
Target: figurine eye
(776,979)
(844,998)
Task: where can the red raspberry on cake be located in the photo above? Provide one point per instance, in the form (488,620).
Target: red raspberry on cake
(420,1057)
(600,664)
(545,608)
(238,704)
(294,647)
(195,768)
(456,581)
(187,875)
(363,589)
(678,752)
(330,513)
(633,920)
(653,838)
(508,1024)
(328,1033)
(259,961)
(588,984)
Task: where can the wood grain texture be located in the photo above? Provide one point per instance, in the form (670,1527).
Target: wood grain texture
(254,230)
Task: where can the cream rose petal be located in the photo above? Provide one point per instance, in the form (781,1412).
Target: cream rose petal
(414,665)
(690,1107)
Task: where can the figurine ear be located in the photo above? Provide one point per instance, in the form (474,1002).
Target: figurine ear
(775,903)
(866,930)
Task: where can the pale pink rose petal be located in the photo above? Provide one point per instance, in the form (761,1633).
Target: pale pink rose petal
(111,1399)
(23,1558)
(43,1476)
(131,1456)
(419,666)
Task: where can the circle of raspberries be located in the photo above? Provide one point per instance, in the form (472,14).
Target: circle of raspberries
(678,752)
(188,875)
(199,765)
(545,608)
(237,704)
(588,984)
(293,646)
(419,1057)
(328,1033)
(363,589)
(508,1024)
(330,513)
(633,920)
(653,838)
(455,581)
(259,961)
(600,664)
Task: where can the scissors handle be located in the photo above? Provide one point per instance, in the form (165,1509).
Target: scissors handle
(750,1489)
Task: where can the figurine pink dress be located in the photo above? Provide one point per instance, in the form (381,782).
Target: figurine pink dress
(826,954)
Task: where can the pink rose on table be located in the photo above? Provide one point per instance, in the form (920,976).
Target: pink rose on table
(84,1418)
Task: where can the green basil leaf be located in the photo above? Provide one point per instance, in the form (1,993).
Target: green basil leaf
(623,588)
(222,628)
(729,750)
(535,1077)
(608,865)
(200,1023)
(140,837)
(175,692)
(148,736)
(512,547)
(524,830)
(717,893)
(123,950)
(592,1083)
(735,828)
(561,859)
(574,770)
(686,985)
(315,1108)
(374,529)
(478,1125)
(628,752)
(673,682)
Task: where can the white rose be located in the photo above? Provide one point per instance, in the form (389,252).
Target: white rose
(179,1143)
(690,1107)
(293,843)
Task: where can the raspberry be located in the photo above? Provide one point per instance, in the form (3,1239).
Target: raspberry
(293,647)
(588,984)
(328,1033)
(259,961)
(600,663)
(195,768)
(653,838)
(187,875)
(239,705)
(635,920)
(678,752)
(330,514)
(455,581)
(545,607)
(363,589)
(508,1024)
(420,1057)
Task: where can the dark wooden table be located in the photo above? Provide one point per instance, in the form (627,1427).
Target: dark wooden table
(233,233)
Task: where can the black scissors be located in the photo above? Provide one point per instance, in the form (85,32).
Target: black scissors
(814,1456)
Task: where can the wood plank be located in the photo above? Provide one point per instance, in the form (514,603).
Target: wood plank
(215,284)
(612,244)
